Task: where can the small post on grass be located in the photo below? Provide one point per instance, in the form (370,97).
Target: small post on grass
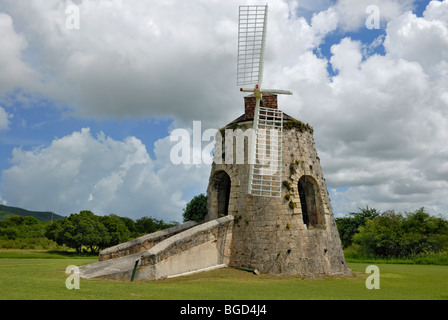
(135,268)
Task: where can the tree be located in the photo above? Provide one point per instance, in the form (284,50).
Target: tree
(392,235)
(117,230)
(78,230)
(349,226)
(147,225)
(196,209)
(96,233)
(16,227)
(130,225)
(54,232)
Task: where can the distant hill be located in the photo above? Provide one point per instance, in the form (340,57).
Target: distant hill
(6,212)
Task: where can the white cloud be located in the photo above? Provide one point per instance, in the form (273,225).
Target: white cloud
(423,40)
(4,119)
(15,73)
(325,21)
(437,10)
(79,172)
(352,13)
(346,57)
(134,58)
(153,58)
(380,122)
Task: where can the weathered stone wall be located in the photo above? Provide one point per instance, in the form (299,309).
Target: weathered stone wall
(204,246)
(270,234)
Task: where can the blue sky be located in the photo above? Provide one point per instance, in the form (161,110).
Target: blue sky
(135,71)
(37,126)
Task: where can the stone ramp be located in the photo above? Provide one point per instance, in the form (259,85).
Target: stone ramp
(119,268)
(143,243)
(200,247)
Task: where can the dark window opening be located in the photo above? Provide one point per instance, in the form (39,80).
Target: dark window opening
(311,208)
(302,195)
(222,186)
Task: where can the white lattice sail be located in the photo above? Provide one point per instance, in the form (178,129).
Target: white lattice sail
(251,39)
(266,171)
(265,156)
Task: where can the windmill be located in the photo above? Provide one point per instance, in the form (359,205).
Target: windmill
(265,156)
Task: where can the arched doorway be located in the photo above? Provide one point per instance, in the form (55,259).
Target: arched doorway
(221,186)
(310,202)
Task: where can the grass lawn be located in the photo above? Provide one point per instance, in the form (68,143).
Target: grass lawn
(44,279)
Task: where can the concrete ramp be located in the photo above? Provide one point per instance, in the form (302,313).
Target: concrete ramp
(201,247)
(143,243)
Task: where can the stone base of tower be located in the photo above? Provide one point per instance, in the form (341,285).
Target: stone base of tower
(279,243)
(270,236)
(294,234)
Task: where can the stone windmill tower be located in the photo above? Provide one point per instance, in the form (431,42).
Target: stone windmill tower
(283,221)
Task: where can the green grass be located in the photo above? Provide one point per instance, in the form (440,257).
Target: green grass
(44,254)
(437,258)
(44,279)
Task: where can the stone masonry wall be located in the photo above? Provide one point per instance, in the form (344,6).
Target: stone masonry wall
(204,246)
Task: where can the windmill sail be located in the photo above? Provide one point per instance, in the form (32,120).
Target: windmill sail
(251,39)
(265,156)
(266,171)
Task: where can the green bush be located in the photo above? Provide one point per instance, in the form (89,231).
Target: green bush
(30,243)
(16,227)
(78,230)
(392,235)
(196,209)
(147,225)
(349,226)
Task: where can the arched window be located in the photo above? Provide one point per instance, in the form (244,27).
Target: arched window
(303,203)
(221,185)
(310,202)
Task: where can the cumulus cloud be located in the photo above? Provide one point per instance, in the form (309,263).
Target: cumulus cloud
(380,120)
(158,58)
(134,58)
(325,22)
(80,171)
(15,73)
(353,13)
(423,40)
(4,119)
